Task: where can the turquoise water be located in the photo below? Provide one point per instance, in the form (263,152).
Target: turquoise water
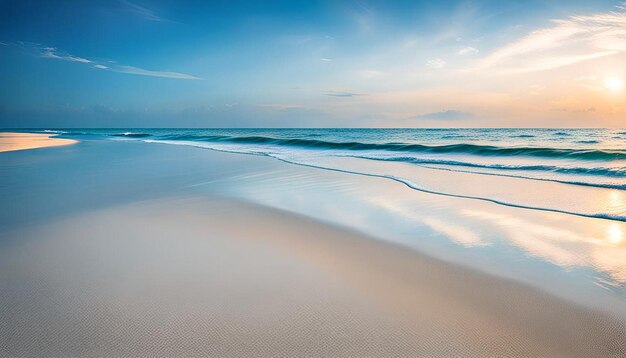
(571,157)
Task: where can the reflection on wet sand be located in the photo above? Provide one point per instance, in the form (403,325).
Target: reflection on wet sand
(564,240)
(589,251)
(454,232)
(560,240)
(615,233)
(563,247)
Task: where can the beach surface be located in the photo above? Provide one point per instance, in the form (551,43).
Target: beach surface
(10,141)
(119,248)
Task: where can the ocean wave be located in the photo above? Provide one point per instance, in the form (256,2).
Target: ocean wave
(453,136)
(595,171)
(54,131)
(131,135)
(461,148)
(539,178)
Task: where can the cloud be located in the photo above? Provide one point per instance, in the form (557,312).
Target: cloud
(450,114)
(581,110)
(566,42)
(326,59)
(143,11)
(282,107)
(54,53)
(140,71)
(51,52)
(467,51)
(342,94)
(436,63)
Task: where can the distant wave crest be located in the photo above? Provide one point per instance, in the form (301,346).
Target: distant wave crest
(461,148)
(132,135)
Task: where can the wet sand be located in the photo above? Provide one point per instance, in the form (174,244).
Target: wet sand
(10,141)
(109,253)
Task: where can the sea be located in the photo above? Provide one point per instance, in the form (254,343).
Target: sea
(571,157)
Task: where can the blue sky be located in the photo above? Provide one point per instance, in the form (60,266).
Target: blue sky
(146,63)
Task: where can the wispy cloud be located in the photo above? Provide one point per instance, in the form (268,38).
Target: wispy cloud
(342,94)
(450,114)
(143,12)
(282,107)
(467,51)
(140,71)
(566,42)
(436,63)
(54,53)
(51,52)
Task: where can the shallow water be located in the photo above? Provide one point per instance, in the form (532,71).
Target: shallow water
(593,157)
(580,172)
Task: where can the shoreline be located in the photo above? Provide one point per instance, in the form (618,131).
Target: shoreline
(14,141)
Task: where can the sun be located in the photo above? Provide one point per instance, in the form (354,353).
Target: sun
(614,84)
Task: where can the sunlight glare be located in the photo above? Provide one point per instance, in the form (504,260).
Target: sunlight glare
(614,84)
(615,234)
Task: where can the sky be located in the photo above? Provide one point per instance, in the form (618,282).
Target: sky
(353,63)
